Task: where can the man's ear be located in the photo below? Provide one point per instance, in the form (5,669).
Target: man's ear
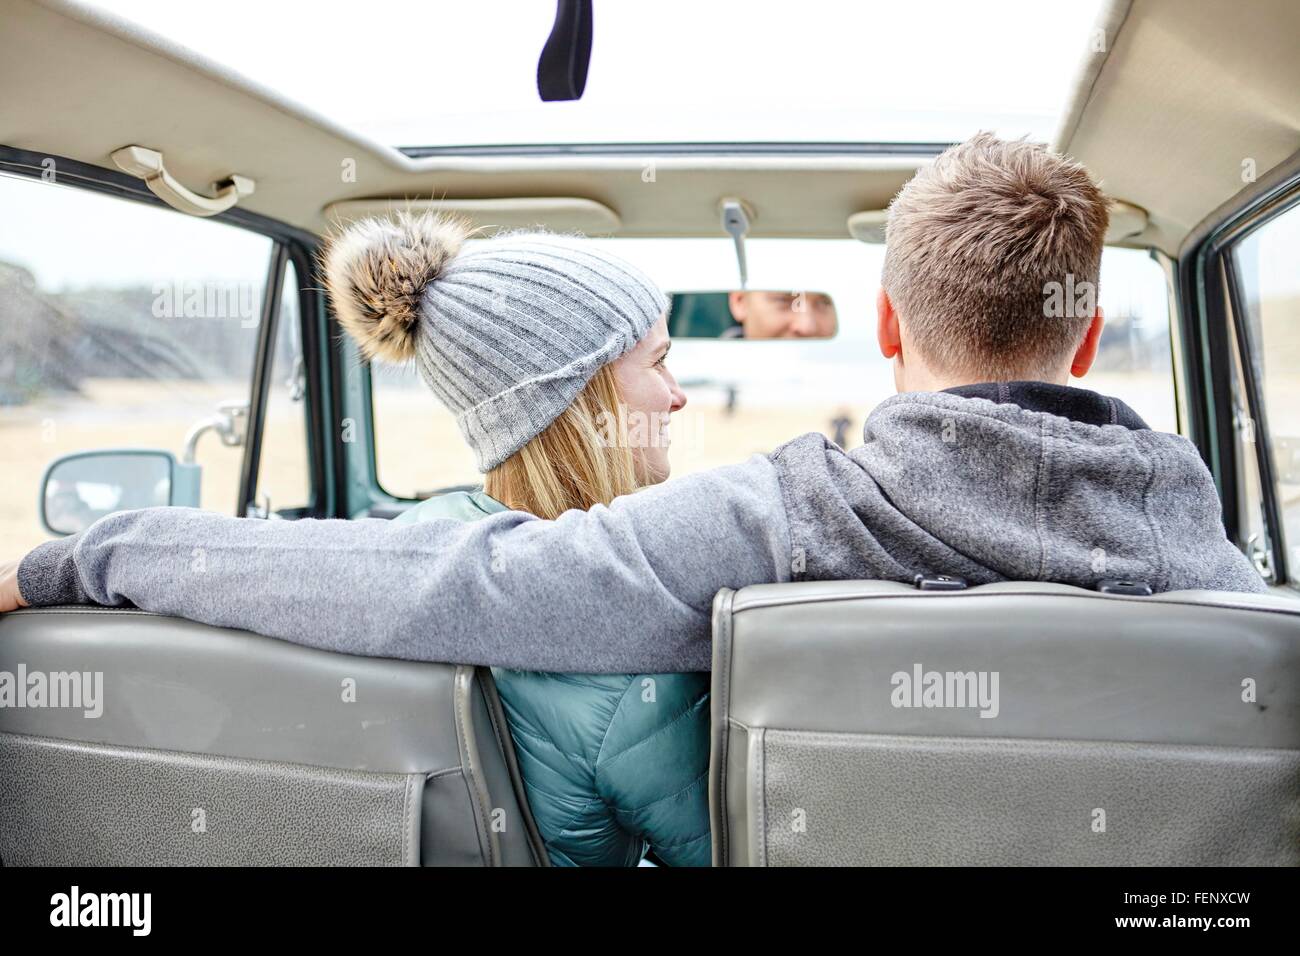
(887,334)
(739,307)
(1086,354)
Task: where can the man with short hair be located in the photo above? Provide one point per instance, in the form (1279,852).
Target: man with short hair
(781,315)
(986,465)
(981,248)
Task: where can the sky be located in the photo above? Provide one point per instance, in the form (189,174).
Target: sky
(450,72)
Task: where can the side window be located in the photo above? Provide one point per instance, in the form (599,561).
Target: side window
(1266,264)
(122,325)
(419,450)
(1135,360)
(1252,521)
(284,470)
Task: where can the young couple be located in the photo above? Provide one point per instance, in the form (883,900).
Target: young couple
(987,465)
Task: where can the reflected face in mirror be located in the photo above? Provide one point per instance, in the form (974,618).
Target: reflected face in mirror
(783,315)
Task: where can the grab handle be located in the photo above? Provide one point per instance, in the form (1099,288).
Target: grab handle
(147,164)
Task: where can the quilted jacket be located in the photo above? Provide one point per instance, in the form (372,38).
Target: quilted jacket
(614,764)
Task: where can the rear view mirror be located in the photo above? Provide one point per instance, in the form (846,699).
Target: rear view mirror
(752,314)
(80,488)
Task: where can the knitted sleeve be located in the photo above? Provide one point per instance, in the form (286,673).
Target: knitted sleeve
(618,590)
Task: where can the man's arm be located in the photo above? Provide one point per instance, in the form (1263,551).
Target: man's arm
(624,589)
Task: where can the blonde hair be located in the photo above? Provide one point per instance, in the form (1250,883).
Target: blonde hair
(574,463)
(974,243)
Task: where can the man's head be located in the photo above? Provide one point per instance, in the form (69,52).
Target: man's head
(991,262)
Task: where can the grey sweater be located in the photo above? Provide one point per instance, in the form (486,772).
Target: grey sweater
(990,488)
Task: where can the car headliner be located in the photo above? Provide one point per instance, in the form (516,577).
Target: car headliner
(1186,99)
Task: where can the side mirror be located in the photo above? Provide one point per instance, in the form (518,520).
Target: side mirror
(79,489)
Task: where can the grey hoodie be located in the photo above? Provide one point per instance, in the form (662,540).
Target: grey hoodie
(980,487)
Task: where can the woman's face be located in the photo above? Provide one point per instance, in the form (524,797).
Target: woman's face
(651,394)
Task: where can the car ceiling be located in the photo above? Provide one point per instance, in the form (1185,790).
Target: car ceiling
(1184,93)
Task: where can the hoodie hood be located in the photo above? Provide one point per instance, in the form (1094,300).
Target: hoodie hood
(990,490)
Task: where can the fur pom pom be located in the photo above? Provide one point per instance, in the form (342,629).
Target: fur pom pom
(376,270)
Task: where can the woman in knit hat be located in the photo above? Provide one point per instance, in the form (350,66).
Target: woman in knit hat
(551,355)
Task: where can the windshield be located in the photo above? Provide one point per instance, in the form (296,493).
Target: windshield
(674,71)
(746,397)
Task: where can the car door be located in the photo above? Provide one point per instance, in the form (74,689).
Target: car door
(1239,282)
(130,325)
(132,738)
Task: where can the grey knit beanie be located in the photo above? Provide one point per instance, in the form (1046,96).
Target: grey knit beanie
(506,333)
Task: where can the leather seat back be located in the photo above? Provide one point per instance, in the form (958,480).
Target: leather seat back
(216,746)
(872,723)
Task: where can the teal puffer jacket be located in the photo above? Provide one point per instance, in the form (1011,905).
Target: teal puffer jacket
(614,764)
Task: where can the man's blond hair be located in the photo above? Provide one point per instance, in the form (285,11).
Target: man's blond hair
(973,246)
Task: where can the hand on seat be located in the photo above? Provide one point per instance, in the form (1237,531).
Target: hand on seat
(10,597)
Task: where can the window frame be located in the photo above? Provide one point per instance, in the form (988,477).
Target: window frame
(289,244)
(1216,325)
